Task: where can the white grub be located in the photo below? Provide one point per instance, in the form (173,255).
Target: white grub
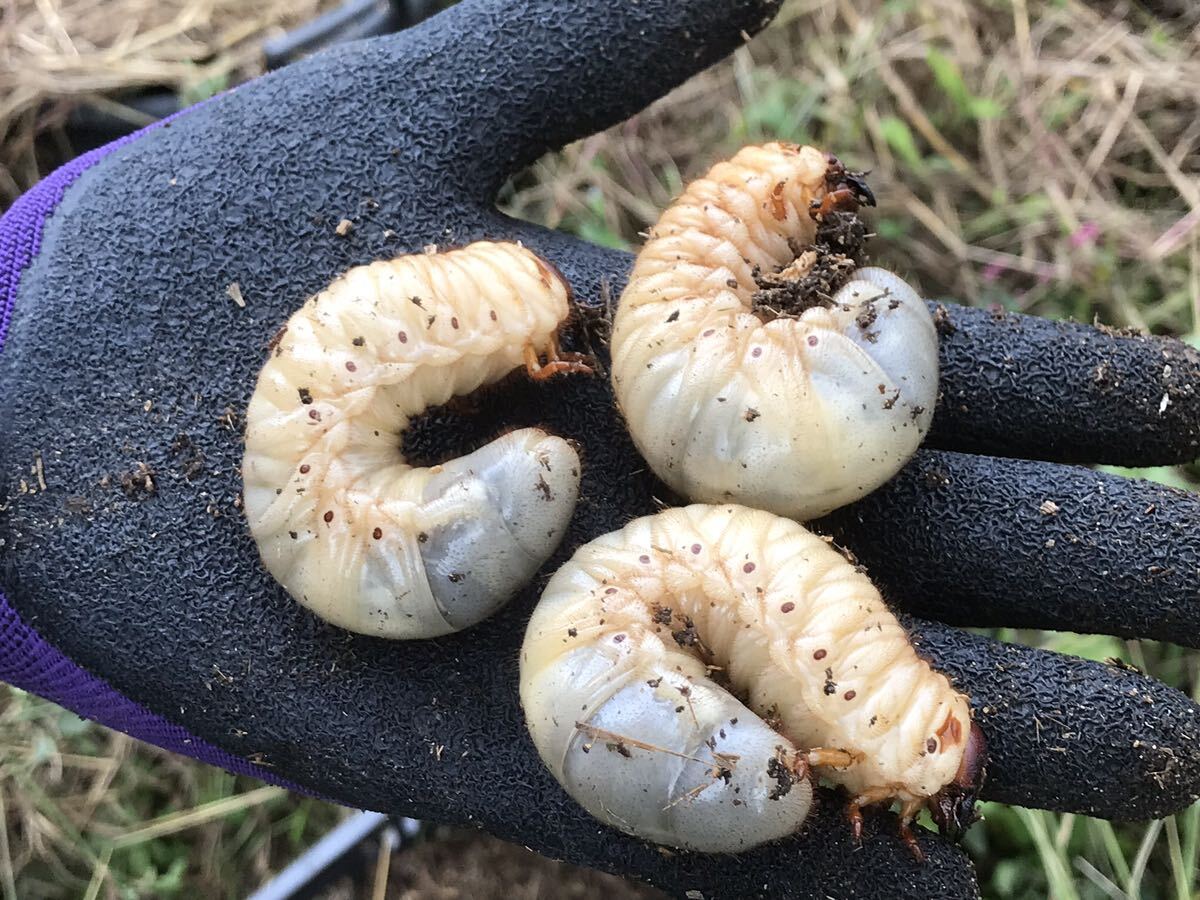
(617,690)
(798,415)
(342,521)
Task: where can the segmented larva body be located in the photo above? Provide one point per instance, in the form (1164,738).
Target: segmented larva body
(729,400)
(618,687)
(345,524)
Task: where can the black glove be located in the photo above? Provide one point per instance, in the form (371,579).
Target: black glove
(127,366)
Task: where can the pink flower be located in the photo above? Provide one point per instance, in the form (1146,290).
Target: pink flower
(993,270)
(1085,234)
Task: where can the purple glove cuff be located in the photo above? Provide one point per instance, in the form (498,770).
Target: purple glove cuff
(26,659)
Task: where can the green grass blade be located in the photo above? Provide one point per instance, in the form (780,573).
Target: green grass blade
(1112,847)
(1054,863)
(1134,886)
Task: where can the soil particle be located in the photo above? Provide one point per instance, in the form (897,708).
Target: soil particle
(1113,331)
(818,272)
(228,419)
(770,717)
(936,478)
(687,636)
(783,778)
(191,457)
(78,505)
(867,315)
(139,484)
(234,292)
(941,321)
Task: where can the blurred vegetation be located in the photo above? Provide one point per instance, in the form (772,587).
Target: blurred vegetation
(89,812)
(1043,155)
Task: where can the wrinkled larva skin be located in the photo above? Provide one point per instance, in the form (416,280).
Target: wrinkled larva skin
(797,415)
(797,631)
(352,531)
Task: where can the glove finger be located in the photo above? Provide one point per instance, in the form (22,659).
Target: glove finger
(978,540)
(1071,735)
(819,862)
(513,80)
(1016,385)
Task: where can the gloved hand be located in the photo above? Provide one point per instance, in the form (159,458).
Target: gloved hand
(126,368)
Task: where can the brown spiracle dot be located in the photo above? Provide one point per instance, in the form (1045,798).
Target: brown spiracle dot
(377,533)
(787,608)
(611,590)
(748,568)
(850,695)
(350,366)
(454,321)
(493,315)
(695,548)
(756,352)
(328,516)
(820,654)
(931,745)
(813,340)
(644,559)
(305,469)
(403,337)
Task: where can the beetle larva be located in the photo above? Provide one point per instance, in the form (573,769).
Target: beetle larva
(648,641)
(342,521)
(754,366)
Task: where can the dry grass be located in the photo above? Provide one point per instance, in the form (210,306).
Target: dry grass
(85,811)
(57,54)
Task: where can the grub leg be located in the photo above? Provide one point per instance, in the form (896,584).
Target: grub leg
(556,362)
(907,812)
(834,759)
